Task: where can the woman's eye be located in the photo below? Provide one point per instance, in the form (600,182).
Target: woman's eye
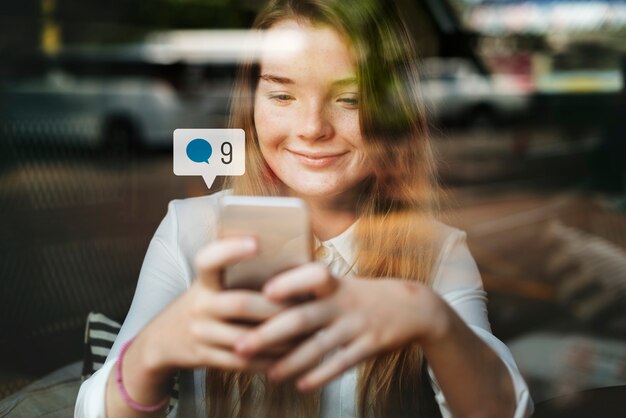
(281,97)
(350,101)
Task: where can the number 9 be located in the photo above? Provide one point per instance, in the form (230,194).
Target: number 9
(228,153)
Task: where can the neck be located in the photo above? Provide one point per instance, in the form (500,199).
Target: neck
(328,224)
(330,216)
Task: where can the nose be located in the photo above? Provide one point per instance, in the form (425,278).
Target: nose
(315,123)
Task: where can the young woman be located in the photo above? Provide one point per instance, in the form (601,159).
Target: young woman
(398,326)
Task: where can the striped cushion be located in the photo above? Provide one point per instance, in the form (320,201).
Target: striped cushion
(100,333)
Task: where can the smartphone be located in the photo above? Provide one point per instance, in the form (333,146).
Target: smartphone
(282,228)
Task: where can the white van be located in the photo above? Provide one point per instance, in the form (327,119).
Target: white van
(137,111)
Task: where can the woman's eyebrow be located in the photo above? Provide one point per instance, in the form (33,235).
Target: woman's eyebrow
(276,79)
(345,82)
(272,78)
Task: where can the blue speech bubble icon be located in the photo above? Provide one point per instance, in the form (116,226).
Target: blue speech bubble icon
(199,150)
(194,149)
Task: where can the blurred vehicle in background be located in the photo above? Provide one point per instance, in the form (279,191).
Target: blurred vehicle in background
(577,87)
(131,96)
(91,111)
(112,111)
(455,92)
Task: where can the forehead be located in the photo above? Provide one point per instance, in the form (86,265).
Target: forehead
(299,49)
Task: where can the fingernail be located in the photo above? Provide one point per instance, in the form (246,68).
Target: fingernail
(302,384)
(270,290)
(242,345)
(273,374)
(249,244)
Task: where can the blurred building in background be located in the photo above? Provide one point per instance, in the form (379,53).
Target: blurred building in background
(568,53)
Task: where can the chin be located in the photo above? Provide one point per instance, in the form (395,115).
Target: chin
(316,189)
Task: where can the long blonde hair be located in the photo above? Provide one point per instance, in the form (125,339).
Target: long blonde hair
(396,204)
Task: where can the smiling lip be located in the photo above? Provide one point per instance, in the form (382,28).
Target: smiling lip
(317,160)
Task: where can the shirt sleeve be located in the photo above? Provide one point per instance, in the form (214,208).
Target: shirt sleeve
(161,280)
(458,281)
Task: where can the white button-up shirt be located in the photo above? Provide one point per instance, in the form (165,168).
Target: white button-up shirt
(167,271)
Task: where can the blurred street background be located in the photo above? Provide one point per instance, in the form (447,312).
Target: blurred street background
(527,105)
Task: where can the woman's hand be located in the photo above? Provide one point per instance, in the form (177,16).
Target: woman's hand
(196,330)
(351,318)
(193,331)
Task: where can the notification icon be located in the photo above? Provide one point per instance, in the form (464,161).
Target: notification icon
(209,153)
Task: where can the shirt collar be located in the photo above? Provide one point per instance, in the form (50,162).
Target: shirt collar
(343,243)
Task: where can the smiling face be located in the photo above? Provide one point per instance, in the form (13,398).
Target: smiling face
(306,114)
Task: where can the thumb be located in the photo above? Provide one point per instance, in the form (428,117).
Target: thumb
(211,259)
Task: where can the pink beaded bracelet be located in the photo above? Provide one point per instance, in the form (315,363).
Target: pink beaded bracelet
(120,384)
